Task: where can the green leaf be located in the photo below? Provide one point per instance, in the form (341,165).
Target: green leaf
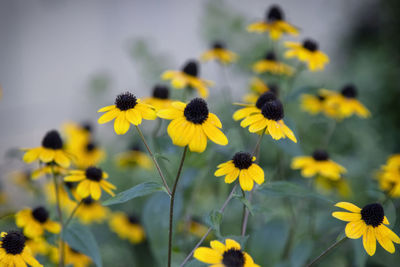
(284,189)
(245,202)
(214,220)
(81,239)
(160,156)
(139,190)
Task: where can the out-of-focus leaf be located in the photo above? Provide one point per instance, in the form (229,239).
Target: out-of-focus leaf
(283,189)
(245,202)
(81,239)
(139,190)
(214,220)
(301,252)
(390,212)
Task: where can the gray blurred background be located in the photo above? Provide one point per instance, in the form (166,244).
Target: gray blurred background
(52,52)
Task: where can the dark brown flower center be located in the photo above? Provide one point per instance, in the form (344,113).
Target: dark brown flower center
(273,110)
(13,243)
(373,214)
(94,174)
(87,126)
(91,146)
(218,45)
(321,98)
(320,155)
(264,98)
(191,68)
(87,201)
(310,45)
(349,91)
(233,258)
(133,219)
(161,92)
(242,160)
(52,140)
(125,101)
(196,111)
(270,56)
(275,13)
(40,214)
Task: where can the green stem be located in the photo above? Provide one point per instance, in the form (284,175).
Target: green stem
(171,206)
(71,216)
(60,218)
(334,245)
(154,160)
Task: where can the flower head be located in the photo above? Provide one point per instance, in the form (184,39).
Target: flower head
(134,157)
(257,88)
(127,227)
(14,252)
(36,221)
(192,124)
(188,77)
(73,257)
(266,115)
(91,211)
(219,52)
(318,164)
(274,23)
(369,223)
(228,254)
(307,52)
(389,176)
(241,166)
(270,64)
(315,104)
(127,110)
(91,181)
(160,97)
(50,151)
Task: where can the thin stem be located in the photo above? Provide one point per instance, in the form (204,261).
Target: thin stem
(72,214)
(246,212)
(171,206)
(60,217)
(337,243)
(154,160)
(221,210)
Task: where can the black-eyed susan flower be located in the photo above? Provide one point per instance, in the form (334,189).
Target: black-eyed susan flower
(89,155)
(219,52)
(327,186)
(35,222)
(196,227)
(318,164)
(241,165)
(77,135)
(65,201)
(72,257)
(347,104)
(270,64)
(228,254)
(50,151)
(91,181)
(134,157)
(308,53)
(47,169)
(188,77)
(274,23)
(192,124)
(14,252)
(257,88)
(91,211)
(369,223)
(389,176)
(127,110)
(127,227)
(315,104)
(160,97)
(266,115)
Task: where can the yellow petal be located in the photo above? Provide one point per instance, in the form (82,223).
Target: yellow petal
(83,189)
(256,173)
(217,246)
(52,227)
(121,124)
(133,116)
(107,108)
(32,155)
(348,206)
(214,134)
(110,115)
(346,216)
(369,240)
(355,229)
(383,239)
(170,113)
(232,176)
(246,182)
(47,155)
(207,255)
(199,140)
(95,190)
(61,159)
(230,243)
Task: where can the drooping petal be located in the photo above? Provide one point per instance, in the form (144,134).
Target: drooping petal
(47,155)
(109,116)
(256,173)
(107,108)
(207,255)
(384,240)
(355,229)
(348,206)
(369,240)
(214,134)
(134,116)
(199,140)
(246,182)
(121,124)
(346,216)
(95,190)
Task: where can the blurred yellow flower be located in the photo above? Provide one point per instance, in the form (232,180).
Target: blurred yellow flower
(38,245)
(389,176)
(91,211)
(160,98)
(257,88)
(219,52)
(272,65)
(326,185)
(134,157)
(127,227)
(65,201)
(307,52)
(35,222)
(73,257)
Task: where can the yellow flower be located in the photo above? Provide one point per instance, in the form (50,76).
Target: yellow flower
(160,98)
(220,53)
(307,52)
(274,23)
(257,88)
(127,227)
(389,176)
(65,201)
(14,252)
(346,103)
(77,135)
(48,169)
(38,246)
(272,65)
(326,185)
(134,157)
(266,115)
(368,222)
(72,257)
(50,151)
(318,164)
(241,166)
(91,211)
(315,104)
(197,228)
(127,109)
(35,222)
(228,254)
(188,77)
(89,155)
(192,125)
(91,181)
